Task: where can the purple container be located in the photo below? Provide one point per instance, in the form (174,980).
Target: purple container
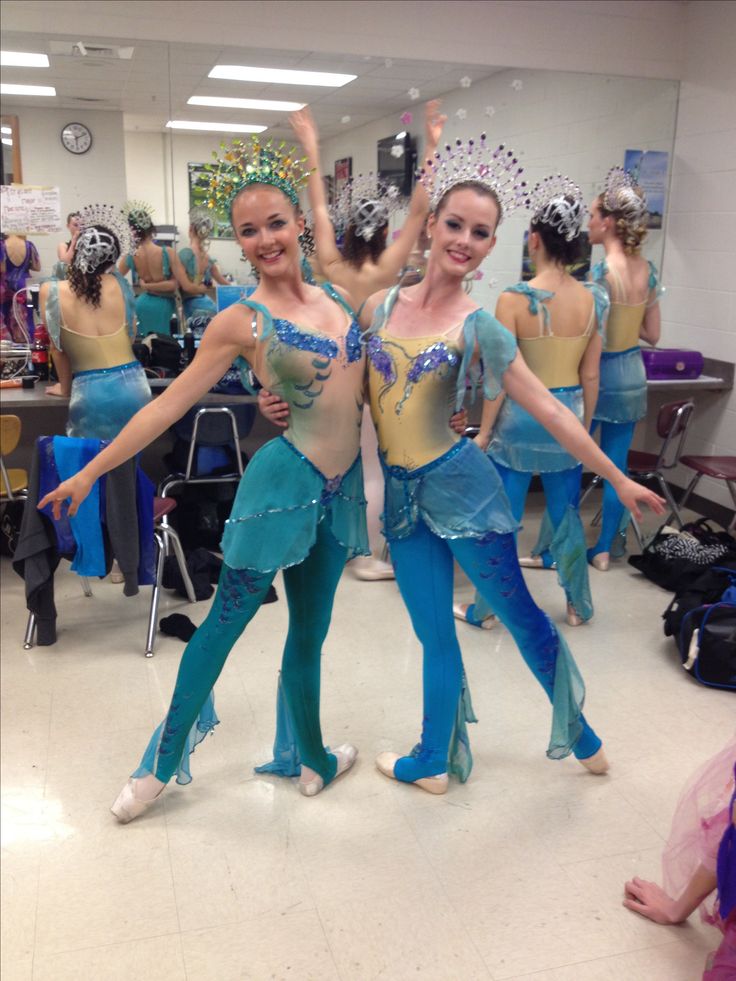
(664,363)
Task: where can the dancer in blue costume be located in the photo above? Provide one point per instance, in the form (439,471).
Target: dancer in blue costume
(618,222)
(200,269)
(91,323)
(444,498)
(558,323)
(154,270)
(300,505)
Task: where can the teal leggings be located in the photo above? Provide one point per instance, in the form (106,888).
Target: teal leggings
(310,590)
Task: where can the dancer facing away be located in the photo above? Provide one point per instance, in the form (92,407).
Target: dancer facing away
(558,323)
(154,270)
(618,222)
(365,264)
(299,506)
(444,498)
(200,270)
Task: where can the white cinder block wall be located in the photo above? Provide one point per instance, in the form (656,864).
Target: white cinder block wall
(699,308)
(577,124)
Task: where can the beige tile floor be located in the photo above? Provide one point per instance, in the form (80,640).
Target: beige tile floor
(516,874)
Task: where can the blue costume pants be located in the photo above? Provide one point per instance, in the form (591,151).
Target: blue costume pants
(562,497)
(616,440)
(310,590)
(424,572)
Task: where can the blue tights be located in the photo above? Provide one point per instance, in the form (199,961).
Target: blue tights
(310,590)
(424,573)
(561,492)
(616,440)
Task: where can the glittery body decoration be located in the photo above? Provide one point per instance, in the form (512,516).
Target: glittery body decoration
(558,202)
(498,170)
(433,358)
(245,162)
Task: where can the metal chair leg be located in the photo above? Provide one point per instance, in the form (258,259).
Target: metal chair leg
(155,594)
(86,588)
(668,496)
(30,632)
(169,534)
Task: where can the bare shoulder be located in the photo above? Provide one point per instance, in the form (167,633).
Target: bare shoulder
(371,305)
(231,326)
(345,294)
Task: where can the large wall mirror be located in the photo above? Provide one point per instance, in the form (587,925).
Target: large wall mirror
(127,92)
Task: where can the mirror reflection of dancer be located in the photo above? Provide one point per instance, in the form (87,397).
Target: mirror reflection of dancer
(199,268)
(618,222)
(65,250)
(153,270)
(365,264)
(558,323)
(444,498)
(300,504)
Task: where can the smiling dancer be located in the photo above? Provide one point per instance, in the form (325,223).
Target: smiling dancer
(300,504)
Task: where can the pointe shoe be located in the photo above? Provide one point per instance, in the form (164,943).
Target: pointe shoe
(573,617)
(433,785)
(128,807)
(345,756)
(534,562)
(597,763)
(370,569)
(466,613)
(601,561)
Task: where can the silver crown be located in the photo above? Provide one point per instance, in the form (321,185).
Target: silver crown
(139,215)
(100,225)
(367,203)
(621,194)
(558,202)
(497,169)
(202,221)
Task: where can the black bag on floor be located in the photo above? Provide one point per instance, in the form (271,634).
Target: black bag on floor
(10,522)
(675,559)
(706,589)
(707,644)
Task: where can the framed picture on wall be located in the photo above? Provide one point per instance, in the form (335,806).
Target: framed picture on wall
(343,173)
(649,170)
(199,181)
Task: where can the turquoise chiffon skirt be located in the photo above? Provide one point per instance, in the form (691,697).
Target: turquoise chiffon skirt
(623,391)
(521,443)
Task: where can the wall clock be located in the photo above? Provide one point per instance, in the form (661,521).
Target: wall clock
(76,138)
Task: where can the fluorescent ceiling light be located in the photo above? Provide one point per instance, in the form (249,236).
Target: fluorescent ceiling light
(215,127)
(8,89)
(6,130)
(23,59)
(280,76)
(7,141)
(226,103)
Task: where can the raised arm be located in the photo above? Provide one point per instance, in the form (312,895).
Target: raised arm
(393,259)
(224,339)
(525,388)
(325,243)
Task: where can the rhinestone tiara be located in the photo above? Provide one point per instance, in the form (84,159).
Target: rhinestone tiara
(558,202)
(366,202)
(139,216)
(621,194)
(496,169)
(244,162)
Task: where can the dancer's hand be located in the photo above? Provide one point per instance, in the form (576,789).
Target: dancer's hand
(434,122)
(632,494)
(305,130)
(650,900)
(459,422)
(273,408)
(75,489)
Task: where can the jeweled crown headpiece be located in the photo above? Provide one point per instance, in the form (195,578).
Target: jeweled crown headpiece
(621,194)
(498,170)
(558,202)
(245,162)
(103,237)
(139,215)
(202,222)
(366,202)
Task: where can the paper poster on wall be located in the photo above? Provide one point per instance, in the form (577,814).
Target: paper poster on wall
(30,210)
(579,269)
(199,194)
(649,169)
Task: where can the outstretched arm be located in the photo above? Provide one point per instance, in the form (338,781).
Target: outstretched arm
(525,388)
(393,259)
(305,130)
(223,340)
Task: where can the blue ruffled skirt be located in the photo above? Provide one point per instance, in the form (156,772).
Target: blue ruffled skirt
(281,500)
(104,400)
(521,443)
(458,495)
(623,390)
